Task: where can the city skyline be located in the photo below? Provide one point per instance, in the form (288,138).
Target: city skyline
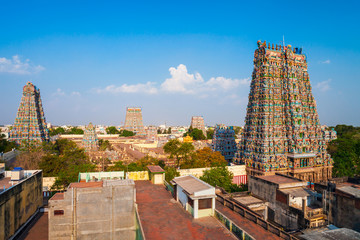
(91,64)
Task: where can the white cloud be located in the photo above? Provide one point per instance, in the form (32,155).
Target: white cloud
(125,88)
(59,92)
(75,94)
(227,83)
(326,61)
(183,82)
(323,86)
(15,66)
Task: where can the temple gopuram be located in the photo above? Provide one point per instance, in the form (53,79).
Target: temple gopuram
(30,123)
(134,121)
(90,139)
(282,130)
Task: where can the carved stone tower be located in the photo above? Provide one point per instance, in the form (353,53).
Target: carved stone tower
(282,130)
(30,124)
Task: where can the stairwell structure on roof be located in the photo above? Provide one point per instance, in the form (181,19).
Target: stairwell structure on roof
(282,130)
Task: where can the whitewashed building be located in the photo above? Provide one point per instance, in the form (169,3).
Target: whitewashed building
(195,195)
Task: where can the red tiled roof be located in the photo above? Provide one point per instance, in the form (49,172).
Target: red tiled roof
(155,169)
(86,184)
(58,196)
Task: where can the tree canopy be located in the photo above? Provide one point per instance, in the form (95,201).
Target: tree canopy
(222,177)
(180,151)
(5,145)
(112,130)
(195,133)
(204,158)
(126,133)
(345,151)
(60,130)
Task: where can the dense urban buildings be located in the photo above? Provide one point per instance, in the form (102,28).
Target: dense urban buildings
(224,141)
(30,123)
(198,122)
(134,121)
(282,130)
(90,139)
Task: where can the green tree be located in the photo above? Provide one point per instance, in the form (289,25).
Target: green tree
(126,133)
(205,157)
(222,177)
(179,151)
(171,173)
(103,145)
(112,130)
(345,151)
(169,130)
(195,133)
(56,131)
(210,133)
(75,130)
(5,145)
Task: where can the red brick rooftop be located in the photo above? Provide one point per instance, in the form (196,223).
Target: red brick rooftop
(164,218)
(86,184)
(155,169)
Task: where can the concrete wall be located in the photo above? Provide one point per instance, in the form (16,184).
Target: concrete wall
(198,172)
(48,182)
(262,188)
(106,212)
(183,198)
(346,213)
(18,203)
(140,175)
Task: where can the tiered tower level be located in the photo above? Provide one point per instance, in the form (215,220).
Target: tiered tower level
(282,130)
(134,121)
(224,141)
(30,124)
(90,139)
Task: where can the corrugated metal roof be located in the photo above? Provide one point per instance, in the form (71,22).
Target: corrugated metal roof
(191,184)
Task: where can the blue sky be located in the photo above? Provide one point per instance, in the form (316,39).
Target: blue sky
(175,59)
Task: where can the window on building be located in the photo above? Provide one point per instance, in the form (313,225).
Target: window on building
(58,212)
(191,202)
(205,203)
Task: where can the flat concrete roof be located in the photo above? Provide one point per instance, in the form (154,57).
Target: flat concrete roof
(341,233)
(297,192)
(278,179)
(162,217)
(85,184)
(191,184)
(351,191)
(248,200)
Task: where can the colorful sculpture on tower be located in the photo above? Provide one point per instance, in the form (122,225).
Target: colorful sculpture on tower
(224,141)
(282,130)
(30,124)
(90,140)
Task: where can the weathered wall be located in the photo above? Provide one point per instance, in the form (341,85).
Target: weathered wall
(263,189)
(346,213)
(94,213)
(48,182)
(18,203)
(198,172)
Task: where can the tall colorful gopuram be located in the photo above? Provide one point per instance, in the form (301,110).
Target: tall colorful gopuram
(134,121)
(30,123)
(198,122)
(282,130)
(224,141)
(90,140)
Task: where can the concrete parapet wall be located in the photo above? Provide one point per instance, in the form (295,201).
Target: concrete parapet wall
(140,175)
(198,172)
(18,203)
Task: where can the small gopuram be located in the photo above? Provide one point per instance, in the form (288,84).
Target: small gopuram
(224,141)
(282,130)
(134,121)
(30,123)
(90,139)
(198,122)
